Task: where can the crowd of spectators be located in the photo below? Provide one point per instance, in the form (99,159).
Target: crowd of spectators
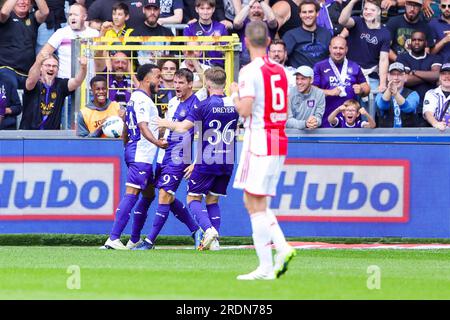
(335,52)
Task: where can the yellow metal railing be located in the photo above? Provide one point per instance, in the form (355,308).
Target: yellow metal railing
(174,45)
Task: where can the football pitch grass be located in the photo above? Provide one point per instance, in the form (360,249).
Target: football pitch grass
(170,274)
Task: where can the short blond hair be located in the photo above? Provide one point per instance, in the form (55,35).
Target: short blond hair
(352,103)
(216,77)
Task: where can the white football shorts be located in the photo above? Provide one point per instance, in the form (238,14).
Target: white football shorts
(258,175)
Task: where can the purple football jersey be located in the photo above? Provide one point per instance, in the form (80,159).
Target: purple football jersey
(216,119)
(343,124)
(325,78)
(119,91)
(178,151)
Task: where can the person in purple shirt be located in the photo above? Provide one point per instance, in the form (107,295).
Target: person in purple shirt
(348,116)
(368,42)
(119,81)
(217,120)
(339,78)
(173,163)
(441,32)
(205,26)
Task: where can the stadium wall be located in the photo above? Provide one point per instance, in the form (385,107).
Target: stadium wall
(347,185)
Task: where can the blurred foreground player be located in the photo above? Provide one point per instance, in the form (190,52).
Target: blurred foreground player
(262,101)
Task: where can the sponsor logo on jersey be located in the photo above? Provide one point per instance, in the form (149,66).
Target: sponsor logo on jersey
(276,116)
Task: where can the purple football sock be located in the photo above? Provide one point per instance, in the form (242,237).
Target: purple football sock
(200,215)
(182,213)
(139,217)
(214,215)
(122,215)
(158,222)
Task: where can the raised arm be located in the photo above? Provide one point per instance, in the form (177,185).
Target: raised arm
(269,15)
(42,12)
(345,18)
(74,83)
(6,10)
(47,49)
(370,121)
(35,71)
(282,12)
(240,17)
(332,117)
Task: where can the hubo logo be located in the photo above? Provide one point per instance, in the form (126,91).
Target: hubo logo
(366,190)
(59,188)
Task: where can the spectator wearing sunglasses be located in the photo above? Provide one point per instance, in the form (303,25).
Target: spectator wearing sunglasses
(401,27)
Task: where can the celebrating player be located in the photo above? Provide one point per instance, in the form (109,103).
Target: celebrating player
(141,142)
(261,98)
(173,163)
(217,121)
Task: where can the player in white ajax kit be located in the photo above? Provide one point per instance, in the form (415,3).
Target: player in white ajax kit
(141,141)
(262,101)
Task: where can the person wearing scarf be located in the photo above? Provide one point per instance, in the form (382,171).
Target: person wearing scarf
(44,93)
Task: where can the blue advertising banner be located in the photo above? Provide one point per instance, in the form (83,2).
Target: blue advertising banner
(345,188)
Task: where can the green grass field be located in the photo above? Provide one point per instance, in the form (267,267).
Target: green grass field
(42,273)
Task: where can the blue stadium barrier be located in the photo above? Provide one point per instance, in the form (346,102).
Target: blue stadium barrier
(335,183)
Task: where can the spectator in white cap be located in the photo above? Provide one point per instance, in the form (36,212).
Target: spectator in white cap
(396,106)
(437,101)
(306,103)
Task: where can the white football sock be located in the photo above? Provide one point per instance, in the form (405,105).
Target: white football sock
(261,240)
(276,234)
